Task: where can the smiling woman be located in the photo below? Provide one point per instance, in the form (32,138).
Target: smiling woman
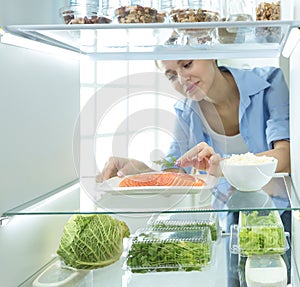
(180,74)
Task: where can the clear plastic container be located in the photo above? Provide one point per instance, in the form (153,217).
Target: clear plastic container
(139,11)
(266,271)
(239,10)
(106,7)
(236,11)
(268,11)
(187,220)
(184,249)
(226,37)
(82,2)
(84,14)
(259,232)
(196,11)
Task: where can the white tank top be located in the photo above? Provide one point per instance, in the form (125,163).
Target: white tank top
(225,144)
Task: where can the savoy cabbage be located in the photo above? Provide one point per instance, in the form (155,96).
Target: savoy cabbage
(92,241)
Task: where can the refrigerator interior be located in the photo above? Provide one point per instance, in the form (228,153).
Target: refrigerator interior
(42,95)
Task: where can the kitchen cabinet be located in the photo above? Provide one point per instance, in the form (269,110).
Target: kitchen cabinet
(149,42)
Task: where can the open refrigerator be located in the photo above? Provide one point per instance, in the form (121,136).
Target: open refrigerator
(48,153)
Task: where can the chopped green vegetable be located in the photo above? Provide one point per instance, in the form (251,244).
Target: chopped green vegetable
(92,241)
(187,250)
(261,234)
(168,256)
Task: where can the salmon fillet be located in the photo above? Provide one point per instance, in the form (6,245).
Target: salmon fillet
(161,179)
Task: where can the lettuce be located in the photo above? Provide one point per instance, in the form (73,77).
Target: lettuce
(261,234)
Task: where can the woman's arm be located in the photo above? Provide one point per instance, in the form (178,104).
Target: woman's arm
(203,157)
(277,132)
(277,102)
(281,151)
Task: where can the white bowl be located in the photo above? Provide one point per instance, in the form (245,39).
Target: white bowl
(249,176)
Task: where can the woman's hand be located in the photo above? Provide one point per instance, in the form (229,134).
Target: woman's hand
(202,157)
(118,166)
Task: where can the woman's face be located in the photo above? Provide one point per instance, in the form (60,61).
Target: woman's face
(192,78)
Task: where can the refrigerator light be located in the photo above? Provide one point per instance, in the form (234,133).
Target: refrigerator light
(53,199)
(7,38)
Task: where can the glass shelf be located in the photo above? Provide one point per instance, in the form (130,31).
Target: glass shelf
(164,40)
(277,195)
(113,275)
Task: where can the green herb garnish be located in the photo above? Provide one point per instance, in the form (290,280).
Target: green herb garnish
(167,163)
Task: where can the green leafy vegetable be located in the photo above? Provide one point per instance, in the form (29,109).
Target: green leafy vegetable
(167,163)
(260,234)
(92,241)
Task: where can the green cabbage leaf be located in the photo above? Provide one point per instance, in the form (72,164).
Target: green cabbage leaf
(92,241)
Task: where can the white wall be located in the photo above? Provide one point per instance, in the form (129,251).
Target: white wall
(294,115)
(296,9)
(30,11)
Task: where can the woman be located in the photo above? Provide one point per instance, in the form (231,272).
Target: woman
(225,111)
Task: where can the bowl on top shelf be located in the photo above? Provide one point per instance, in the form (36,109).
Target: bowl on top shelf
(248,172)
(195,36)
(84,14)
(139,14)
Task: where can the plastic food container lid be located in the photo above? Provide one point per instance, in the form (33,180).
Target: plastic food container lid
(183,220)
(259,232)
(266,271)
(260,218)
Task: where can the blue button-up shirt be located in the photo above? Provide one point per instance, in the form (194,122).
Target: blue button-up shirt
(263,112)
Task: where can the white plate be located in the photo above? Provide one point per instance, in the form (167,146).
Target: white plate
(112,186)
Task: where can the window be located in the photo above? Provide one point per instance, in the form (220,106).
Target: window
(127,110)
